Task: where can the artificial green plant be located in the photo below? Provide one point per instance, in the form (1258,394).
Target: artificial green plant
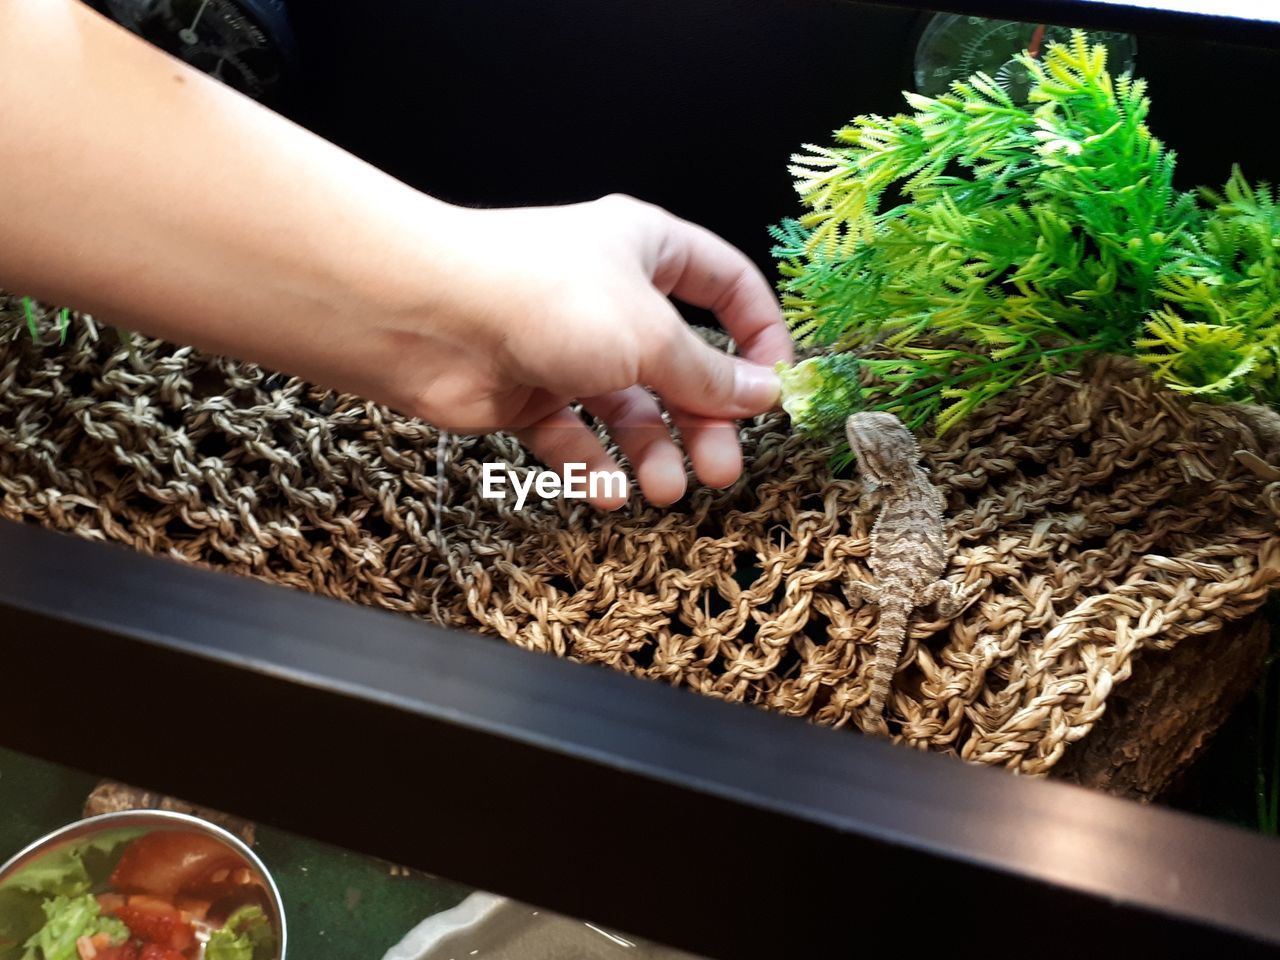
(978,243)
(29,312)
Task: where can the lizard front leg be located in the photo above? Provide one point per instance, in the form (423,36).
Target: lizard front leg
(950,597)
(861,590)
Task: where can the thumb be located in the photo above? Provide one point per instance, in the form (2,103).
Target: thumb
(690,374)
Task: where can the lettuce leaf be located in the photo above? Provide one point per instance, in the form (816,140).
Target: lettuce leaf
(73,870)
(69,872)
(247,935)
(67,919)
(20,917)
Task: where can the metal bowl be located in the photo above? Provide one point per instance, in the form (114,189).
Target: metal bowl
(151,821)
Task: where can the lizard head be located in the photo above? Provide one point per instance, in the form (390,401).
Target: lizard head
(885,448)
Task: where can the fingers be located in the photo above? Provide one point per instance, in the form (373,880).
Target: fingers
(690,374)
(635,423)
(698,267)
(702,269)
(563,438)
(712,446)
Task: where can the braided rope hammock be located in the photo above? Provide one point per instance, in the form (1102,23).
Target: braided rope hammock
(1107,519)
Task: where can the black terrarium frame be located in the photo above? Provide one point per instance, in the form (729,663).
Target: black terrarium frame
(709,826)
(714,827)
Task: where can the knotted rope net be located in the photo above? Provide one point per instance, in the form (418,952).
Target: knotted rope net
(1107,519)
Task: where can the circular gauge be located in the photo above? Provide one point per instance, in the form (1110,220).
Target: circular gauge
(247,44)
(953,47)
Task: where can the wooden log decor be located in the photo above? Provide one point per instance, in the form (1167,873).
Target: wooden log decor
(1159,723)
(1116,531)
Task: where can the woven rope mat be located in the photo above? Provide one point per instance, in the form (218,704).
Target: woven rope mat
(1107,518)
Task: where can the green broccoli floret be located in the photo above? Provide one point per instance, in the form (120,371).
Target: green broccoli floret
(819,393)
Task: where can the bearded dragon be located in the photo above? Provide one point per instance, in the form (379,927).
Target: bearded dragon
(908,545)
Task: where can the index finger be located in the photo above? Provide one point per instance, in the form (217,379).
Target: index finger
(704,270)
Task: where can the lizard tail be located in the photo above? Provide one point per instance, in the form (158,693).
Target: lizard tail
(892,630)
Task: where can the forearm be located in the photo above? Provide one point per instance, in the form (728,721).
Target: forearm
(138,189)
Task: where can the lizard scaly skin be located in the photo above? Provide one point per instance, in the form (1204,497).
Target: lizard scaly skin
(908,544)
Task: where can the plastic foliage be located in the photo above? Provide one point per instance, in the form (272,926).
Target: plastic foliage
(33,327)
(978,243)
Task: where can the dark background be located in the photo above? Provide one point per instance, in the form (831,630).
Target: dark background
(695,105)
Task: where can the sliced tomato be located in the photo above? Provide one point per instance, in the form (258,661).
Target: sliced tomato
(169,862)
(156,922)
(110,902)
(153,951)
(125,951)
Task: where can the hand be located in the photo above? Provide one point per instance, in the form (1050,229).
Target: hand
(558,304)
(305,259)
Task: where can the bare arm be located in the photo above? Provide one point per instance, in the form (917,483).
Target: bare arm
(137,188)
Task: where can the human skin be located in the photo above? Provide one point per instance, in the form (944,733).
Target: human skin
(137,189)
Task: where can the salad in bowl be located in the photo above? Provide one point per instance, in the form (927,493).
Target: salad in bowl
(140,885)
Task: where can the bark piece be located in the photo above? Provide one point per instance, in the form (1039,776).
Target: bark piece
(111,797)
(1160,721)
